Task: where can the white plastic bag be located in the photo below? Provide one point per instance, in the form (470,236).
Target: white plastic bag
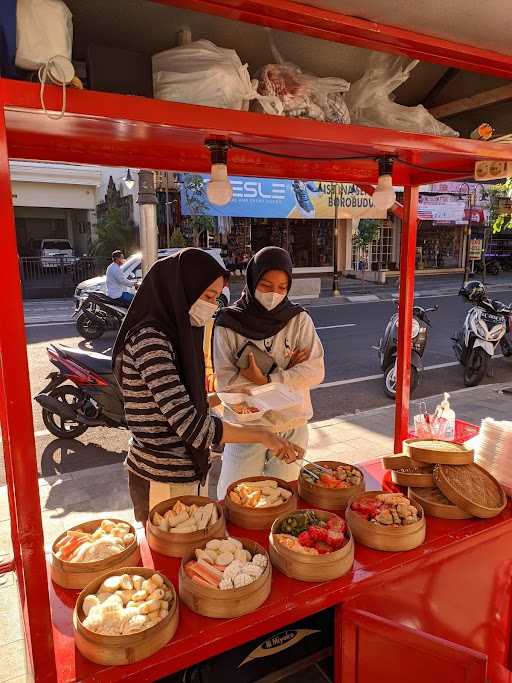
(44,29)
(202,73)
(370,103)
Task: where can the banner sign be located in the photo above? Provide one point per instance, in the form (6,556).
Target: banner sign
(475,249)
(441,208)
(276,198)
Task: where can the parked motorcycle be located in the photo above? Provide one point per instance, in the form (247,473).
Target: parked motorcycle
(96,313)
(486,326)
(388,348)
(82,394)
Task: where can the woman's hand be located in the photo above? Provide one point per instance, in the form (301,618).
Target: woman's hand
(282,448)
(298,356)
(253,373)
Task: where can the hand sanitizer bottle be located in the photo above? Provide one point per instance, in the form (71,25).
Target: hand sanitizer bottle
(448,415)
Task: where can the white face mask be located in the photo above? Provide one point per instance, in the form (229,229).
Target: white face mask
(201,312)
(269,300)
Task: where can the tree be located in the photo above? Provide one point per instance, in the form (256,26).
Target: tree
(198,204)
(114,232)
(501,206)
(367,231)
(177,239)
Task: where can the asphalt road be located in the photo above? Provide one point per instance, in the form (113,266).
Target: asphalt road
(347,331)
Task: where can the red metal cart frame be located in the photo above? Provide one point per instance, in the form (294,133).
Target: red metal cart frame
(112,130)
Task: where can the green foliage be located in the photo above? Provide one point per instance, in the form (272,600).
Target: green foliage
(114,232)
(177,239)
(501,221)
(196,198)
(367,231)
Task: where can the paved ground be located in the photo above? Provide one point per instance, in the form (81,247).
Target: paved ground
(70,497)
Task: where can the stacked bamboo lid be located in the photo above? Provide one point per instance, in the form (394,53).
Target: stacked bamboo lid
(458,488)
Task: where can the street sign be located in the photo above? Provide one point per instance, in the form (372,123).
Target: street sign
(475,249)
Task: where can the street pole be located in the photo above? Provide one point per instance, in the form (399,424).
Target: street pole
(167,221)
(148,228)
(468,239)
(335,273)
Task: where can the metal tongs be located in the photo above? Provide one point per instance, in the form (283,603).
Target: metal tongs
(314,464)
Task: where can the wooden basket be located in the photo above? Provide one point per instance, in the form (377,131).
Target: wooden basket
(436,504)
(77,575)
(380,537)
(438,452)
(472,489)
(179,545)
(420,478)
(118,650)
(313,568)
(328,499)
(212,602)
(258,518)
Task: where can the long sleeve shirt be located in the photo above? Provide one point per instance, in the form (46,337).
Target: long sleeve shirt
(159,413)
(299,333)
(117,282)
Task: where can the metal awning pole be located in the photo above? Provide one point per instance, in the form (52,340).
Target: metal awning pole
(148,225)
(406,303)
(18,441)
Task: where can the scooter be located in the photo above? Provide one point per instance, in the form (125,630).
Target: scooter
(96,313)
(486,326)
(388,348)
(82,394)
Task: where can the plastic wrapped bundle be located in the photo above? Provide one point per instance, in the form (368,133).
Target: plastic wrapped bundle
(202,73)
(303,95)
(370,103)
(44,29)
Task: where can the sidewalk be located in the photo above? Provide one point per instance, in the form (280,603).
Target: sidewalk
(74,497)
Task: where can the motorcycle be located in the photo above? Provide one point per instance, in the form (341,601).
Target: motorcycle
(487,325)
(91,399)
(96,313)
(388,348)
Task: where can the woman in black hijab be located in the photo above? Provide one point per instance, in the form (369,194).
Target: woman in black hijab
(159,363)
(262,338)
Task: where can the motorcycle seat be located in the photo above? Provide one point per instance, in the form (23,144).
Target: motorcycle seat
(97,362)
(99,296)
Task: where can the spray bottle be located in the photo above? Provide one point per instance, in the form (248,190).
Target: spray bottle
(447,415)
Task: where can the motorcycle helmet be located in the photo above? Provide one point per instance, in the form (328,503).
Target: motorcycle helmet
(473,292)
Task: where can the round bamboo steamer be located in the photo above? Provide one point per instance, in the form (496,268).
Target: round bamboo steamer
(417,479)
(179,545)
(472,489)
(77,575)
(212,602)
(258,518)
(325,498)
(438,452)
(119,650)
(380,537)
(312,568)
(436,504)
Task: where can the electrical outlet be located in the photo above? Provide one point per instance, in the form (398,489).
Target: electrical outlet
(493,170)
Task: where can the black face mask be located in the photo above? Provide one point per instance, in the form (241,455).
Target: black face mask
(247,316)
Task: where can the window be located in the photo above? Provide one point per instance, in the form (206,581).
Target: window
(56,244)
(380,250)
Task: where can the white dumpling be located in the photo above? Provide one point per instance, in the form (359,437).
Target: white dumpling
(252,569)
(260,560)
(89,602)
(242,580)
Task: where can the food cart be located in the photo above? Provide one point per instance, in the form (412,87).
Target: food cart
(438,613)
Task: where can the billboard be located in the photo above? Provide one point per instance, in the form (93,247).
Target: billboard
(277,198)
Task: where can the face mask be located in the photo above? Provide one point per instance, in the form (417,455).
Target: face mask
(200,312)
(269,300)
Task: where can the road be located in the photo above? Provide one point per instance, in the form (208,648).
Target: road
(352,382)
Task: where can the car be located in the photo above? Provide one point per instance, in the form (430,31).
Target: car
(52,252)
(132,268)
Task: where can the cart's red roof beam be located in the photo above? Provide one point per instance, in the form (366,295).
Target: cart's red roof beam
(286,15)
(121,130)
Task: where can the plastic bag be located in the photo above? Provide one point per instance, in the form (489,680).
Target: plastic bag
(370,103)
(303,95)
(202,73)
(44,29)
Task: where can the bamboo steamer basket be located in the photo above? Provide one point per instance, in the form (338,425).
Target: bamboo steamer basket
(328,499)
(408,472)
(471,488)
(228,604)
(119,650)
(258,518)
(380,537)
(436,504)
(77,575)
(311,568)
(179,545)
(438,452)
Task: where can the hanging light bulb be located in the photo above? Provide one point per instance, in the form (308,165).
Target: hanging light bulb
(219,190)
(128,180)
(384,196)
